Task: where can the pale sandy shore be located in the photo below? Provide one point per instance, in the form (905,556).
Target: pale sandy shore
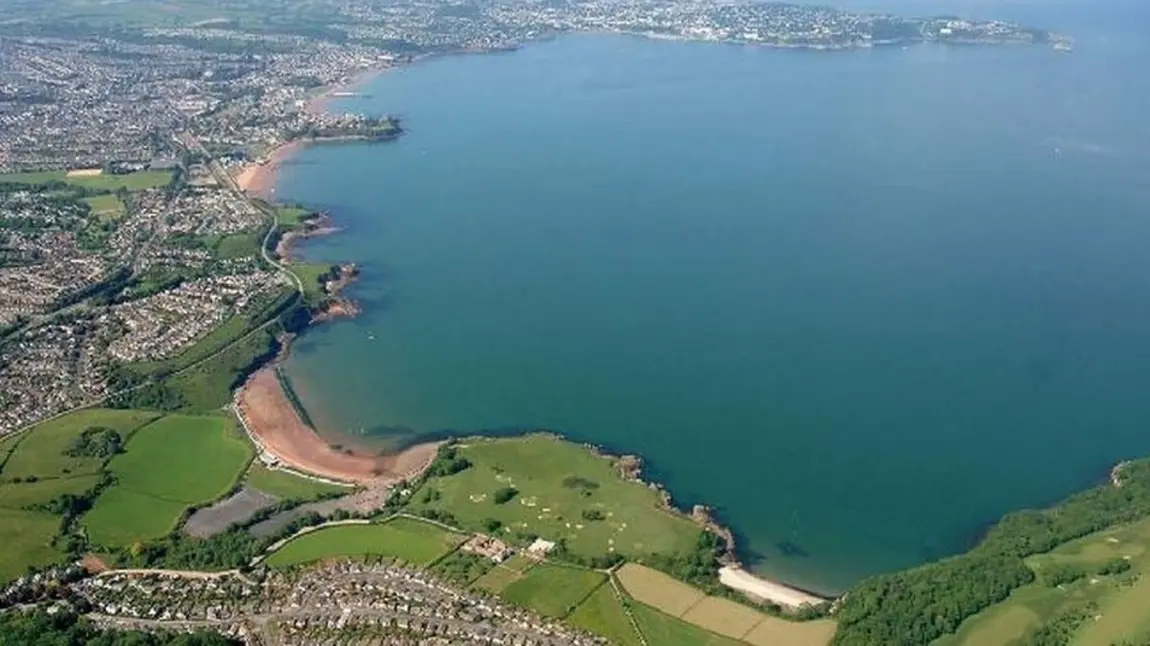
(785,596)
(258,178)
(279,432)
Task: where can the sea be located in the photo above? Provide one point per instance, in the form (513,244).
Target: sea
(861,303)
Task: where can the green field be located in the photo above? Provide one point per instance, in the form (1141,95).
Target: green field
(1116,604)
(7,444)
(18,496)
(416,542)
(553,590)
(291,216)
(308,274)
(137,181)
(286,486)
(665,630)
(557,482)
(602,614)
(497,579)
(240,245)
(106,207)
(26,538)
(41,452)
(122,517)
(173,463)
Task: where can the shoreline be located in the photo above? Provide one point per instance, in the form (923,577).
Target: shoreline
(258,177)
(274,424)
(284,439)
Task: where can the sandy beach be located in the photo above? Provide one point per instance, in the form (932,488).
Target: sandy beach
(258,177)
(786,596)
(277,429)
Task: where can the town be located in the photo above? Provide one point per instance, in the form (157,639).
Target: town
(146,273)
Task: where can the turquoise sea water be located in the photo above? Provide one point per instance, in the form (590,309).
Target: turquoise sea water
(862,302)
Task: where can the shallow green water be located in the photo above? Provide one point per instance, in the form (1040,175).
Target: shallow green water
(862,303)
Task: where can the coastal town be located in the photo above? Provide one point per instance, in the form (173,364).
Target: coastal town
(147,279)
(121,152)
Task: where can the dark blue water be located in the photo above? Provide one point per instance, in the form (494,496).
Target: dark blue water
(863,303)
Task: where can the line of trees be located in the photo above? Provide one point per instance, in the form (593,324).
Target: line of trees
(917,606)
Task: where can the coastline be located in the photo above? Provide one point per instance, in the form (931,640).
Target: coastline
(284,439)
(258,177)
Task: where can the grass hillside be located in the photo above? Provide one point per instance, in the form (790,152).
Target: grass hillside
(558,491)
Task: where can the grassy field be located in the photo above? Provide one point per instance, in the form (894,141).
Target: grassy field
(291,216)
(122,517)
(27,541)
(308,274)
(286,486)
(7,444)
(557,482)
(137,181)
(666,630)
(173,463)
(497,579)
(106,207)
(413,541)
(1117,603)
(18,496)
(602,614)
(773,631)
(41,452)
(240,245)
(553,590)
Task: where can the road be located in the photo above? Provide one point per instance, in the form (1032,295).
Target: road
(225,179)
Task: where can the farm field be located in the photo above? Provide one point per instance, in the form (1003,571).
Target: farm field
(287,486)
(41,451)
(27,540)
(18,496)
(1115,604)
(563,492)
(173,463)
(658,590)
(722,616)
(497,579)
(553,590)
(416,542)
(665,630)
(122,517)
(602,613)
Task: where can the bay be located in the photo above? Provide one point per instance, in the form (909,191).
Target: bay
(862,303)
